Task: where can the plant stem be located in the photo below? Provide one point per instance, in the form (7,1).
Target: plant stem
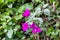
(38,37)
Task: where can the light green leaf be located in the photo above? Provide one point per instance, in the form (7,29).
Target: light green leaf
(3,39)
(21,9)
(10,33)
(45,5)
(37,0)
(57,24)
(29,6)
(47,12)
(1,1)
(18,17)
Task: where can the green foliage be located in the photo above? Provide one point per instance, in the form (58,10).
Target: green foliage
(43,12)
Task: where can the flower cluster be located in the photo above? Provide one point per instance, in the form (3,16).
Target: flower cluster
(33,26)
(25,26)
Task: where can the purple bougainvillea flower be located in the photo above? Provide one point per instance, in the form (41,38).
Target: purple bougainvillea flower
(26,13)
(39,30)
(25,26)
(36,30)
(33,25)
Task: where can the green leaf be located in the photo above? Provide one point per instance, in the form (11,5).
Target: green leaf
(6,16)
(45,5)
(10,0)
(57,4)
(49,31)
(29,6)
(37,0)
(17,27)
(10,23)
(51,1)
(6,13)
(3,38)
(10,33)
(19,34)
(17,17)
(57,24)
(1,33)
(47,12)
(1,1)
(21,9)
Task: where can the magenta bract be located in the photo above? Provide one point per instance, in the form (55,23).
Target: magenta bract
(25,26)
(26,13)
(35,28)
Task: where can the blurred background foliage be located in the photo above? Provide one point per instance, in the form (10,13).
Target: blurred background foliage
(11,19)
